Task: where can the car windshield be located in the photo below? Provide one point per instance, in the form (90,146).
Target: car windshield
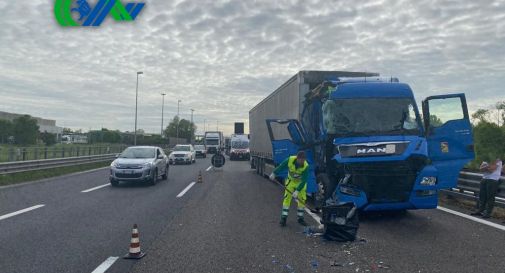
(240,144)
(138,153)
(182,149)
(199,147)
(383,116)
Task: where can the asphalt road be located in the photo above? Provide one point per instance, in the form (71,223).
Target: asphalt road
(229,223)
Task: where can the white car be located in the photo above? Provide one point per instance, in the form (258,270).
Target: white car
(139,163)
(183,154)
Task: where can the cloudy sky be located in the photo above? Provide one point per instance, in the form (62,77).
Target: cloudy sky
(221,58)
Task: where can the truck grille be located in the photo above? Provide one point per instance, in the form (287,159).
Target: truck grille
(387,182)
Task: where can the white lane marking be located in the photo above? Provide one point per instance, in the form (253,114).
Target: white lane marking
(186,189)
(315,216)
(96,188)
(475,219)
(105,265)
(208,169)
(19,212)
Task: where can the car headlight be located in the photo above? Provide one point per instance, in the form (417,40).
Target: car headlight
(429,181)
(148,165)
(114,164)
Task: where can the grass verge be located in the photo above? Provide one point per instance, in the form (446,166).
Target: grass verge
(498,213)
(9,179)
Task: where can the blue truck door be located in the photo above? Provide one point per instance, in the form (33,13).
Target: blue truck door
(288,137)
(449,136)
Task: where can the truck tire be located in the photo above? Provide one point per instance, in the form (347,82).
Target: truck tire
(326,189)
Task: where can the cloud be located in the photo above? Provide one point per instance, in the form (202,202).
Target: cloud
(222,57)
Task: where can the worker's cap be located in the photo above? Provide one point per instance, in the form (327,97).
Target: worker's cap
(300,155)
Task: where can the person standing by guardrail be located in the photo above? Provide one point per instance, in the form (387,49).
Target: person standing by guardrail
(488,187)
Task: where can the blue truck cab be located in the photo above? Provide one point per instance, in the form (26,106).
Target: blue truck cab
(367,142)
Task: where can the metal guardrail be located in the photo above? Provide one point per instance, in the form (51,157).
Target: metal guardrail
(32,165)
(468,188)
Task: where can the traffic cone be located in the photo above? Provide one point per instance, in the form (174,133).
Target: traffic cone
(200,178)
(135,252)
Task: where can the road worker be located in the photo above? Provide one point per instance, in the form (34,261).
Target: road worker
(295,183)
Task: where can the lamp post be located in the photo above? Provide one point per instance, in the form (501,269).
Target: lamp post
(178,120)
(191,128)
(136,107)
(162,111)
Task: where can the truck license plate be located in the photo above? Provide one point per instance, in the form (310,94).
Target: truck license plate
(390,149)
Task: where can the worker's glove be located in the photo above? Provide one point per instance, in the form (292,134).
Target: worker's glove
(272,177)
(295,194)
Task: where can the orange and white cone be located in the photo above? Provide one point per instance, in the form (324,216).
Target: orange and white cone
(200,178)
(135,252)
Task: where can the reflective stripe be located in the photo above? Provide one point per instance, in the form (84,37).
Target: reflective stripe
(300,212)
(295,173)
(135,250)
(284,213)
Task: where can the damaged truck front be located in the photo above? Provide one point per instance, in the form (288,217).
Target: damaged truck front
(368,144)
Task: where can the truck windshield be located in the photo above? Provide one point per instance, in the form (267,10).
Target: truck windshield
(240,144)
(212,142)
(370,116)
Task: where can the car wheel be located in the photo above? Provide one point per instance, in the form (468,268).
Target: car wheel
(114,183)
(154,179)
(165,175)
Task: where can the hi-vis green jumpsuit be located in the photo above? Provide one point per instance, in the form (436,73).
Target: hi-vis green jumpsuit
(296,181)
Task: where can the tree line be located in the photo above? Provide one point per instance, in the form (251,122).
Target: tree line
(489,133)
(25,131)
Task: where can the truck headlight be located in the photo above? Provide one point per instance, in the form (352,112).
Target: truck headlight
(429,181)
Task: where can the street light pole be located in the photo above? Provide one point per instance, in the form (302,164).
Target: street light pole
(191,128)
(162,112)
(136,107)
(204,125)
(178,120)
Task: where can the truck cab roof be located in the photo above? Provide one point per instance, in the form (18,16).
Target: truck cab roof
(349,90)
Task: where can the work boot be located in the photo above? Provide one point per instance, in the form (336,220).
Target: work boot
(302,222)
(486,215)
(283,221)
(477,213)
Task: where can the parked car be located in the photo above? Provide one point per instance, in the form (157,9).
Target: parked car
(183,154)
(139,163)
(201,151)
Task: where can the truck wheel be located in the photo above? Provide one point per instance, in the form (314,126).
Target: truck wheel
(325,189)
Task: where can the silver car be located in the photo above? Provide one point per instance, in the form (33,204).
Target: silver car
(139,163)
